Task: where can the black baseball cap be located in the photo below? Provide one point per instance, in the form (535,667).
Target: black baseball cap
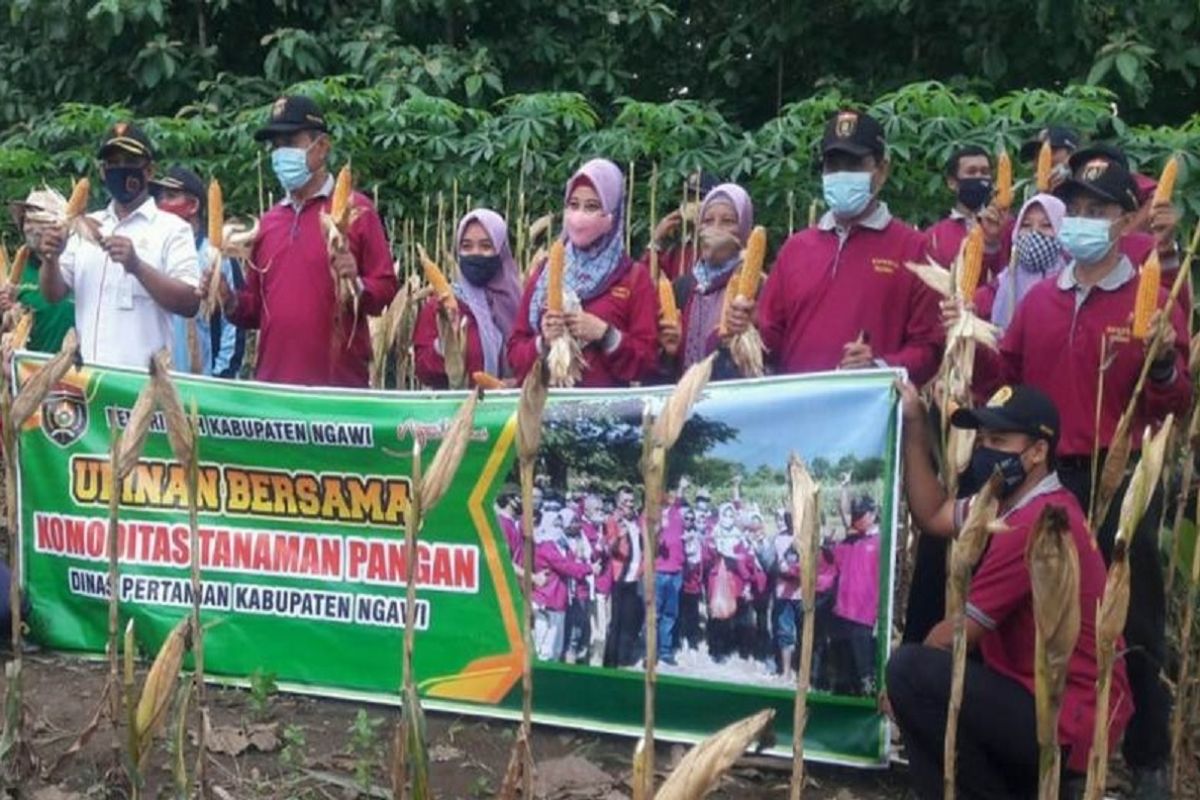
(1105,150)
(128,138)
(290,114)
(181,179)
(855,133)
(1013,409)
(1104,178)
(861,505)
(1059,136)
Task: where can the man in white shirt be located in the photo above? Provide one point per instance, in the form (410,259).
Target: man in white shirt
(143,271)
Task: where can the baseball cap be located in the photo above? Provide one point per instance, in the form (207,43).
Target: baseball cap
(863,504)
(1013,409)
(126,137)
(1059,136)
(292,113)
(1104,178)
(181,179)
(855,133)
(1104,150)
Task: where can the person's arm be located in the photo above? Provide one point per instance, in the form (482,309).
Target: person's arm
(632,353)
(227,360)
(941,635)
(56,274)
(369,246)
(772,315)
(932,509)
(920,351)
(173,287)
(428,363)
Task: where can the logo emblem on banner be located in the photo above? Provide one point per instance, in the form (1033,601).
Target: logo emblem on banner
(64,414)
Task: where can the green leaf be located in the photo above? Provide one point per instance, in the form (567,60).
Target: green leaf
(1128,67)
(473,84)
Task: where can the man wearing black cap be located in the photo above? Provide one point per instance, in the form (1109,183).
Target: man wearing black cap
(144,270)
(840,296)
(997,757)
(1063,142)
(202,346)
(1063,331)
(305,336)
(969,176)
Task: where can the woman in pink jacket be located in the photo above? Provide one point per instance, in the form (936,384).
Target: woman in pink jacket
(552,558)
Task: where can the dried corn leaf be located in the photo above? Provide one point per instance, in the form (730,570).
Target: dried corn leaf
(437,478)
(1054,576)
(160,683)
(565,362)
(933,275)
(1145,480)
(670,421)
(166,396)
(746,350)
(699,771)
(529,412)
(34,390)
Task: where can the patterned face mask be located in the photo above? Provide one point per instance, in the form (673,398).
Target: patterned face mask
(1037,252)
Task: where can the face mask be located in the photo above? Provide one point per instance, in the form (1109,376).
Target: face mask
(973,193)
(479,270)
(1036,251)
(1086,239)
(984,462)
(180,207)
(290,165)
(124,184)
(583,228)
(846,193)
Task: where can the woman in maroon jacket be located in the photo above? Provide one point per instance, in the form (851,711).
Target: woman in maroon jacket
(609,303)
(488,292)
(726,217)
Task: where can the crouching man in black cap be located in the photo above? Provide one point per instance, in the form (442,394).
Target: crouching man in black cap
(1017,432)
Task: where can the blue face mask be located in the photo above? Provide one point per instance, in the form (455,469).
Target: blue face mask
(290,165)
(846,193)
(1086,239)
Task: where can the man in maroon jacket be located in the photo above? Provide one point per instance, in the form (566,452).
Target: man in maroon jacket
(839,296)
(306,335)
(969,177)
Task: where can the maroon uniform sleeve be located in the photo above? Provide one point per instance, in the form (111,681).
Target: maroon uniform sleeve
(521,349)
(563,564)
(923,337)
(369,246)
(772,303)
(1174,394)
(636,355)
(1001,584)
(995,369)
(427,361)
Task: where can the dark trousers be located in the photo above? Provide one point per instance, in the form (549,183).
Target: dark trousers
(578,637)
(727,635)
(625,626)
(927,592)
(856,657)
(997,726)
(689,621)
(1147,742)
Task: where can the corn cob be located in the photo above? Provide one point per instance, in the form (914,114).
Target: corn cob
(18,264)
(5,275)
(666,302)
(1045,166)
(1004,181)
(972,264)
(752,263)
(1166,183)
(339,204)
(77,204)
(554,286)
(486,380)
(20,332)
(732,289)
(216,215)
(441,286)
(1147,296)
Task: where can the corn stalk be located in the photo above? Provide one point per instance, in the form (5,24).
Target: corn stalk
(1185,679)
(806,504)
(193,478)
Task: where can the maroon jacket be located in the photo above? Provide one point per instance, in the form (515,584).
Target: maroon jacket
(1055,347)
(823,293)
(290,297)
(630,305)
(946,237)
(429,363)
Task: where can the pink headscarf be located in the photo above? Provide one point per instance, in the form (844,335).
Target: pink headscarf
(494,306)
(1014,282)
(736,196)
(1054,208)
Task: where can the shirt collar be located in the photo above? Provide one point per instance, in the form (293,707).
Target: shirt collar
(877,220)
(325,191)
(1046,485)
(1122,274)
(148,209)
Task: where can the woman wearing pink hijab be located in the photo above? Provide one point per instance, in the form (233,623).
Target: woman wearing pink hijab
(488,291)
(1039,255)
(609,303)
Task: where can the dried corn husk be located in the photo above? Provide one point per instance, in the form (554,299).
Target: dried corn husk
(452,332)
(133,438)
(1004,181)
(1045,167)
(337,240)
(12,273)
(670,421)
(34,390)
(18,337)
(1054,576)
(1110,625)
(806,522)
(529,412)
(540,227)
(159,687)
(690,212)
(699,771)
(933,275)
(746,350)
(1145,479)
(1166,183)
(166,396)
(5,274)
(440,473)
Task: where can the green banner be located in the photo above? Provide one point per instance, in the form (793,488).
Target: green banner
(302,497)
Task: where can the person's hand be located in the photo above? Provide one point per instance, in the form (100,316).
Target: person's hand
(857,355)
(344,265)
(553,326)
(7,297)
(224,293)
(121,250)
(912,407)
(668,337)
(1166,344)
(53,242)
(1164,219)
(585,327)
(952,309)
(941,635)
(667,226)
(539,578)
(740,317)
(992,221)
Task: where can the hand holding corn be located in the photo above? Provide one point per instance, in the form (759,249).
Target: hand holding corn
(740,316)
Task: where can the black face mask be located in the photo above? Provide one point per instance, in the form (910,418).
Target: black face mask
(124,184)
(973,193)
(985,461)
(479,270)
